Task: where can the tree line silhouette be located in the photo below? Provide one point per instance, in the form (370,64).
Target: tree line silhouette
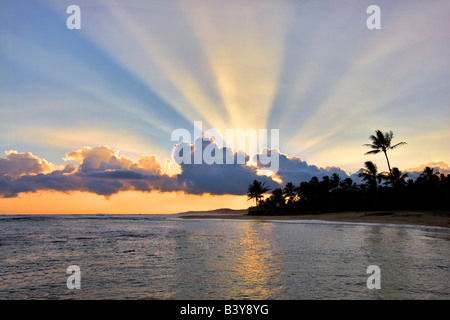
(391,190)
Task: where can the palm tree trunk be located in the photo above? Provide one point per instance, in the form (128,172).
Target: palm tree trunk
(389,166)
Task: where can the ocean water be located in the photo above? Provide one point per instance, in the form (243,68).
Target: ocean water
(165,257)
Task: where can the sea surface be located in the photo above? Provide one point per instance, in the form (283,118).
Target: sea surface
(165,257)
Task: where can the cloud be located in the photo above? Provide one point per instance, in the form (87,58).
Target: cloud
(230,177)
(57,180)
(100,170)
(103,171)
(234,178)
(295,170)
(439,166)
(100,158)
(16,164)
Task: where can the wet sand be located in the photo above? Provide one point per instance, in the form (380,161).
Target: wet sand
(385,217)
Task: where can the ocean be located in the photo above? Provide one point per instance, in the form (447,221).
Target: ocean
(165,257)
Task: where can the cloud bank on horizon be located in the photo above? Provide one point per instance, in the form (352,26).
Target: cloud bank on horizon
(103,171)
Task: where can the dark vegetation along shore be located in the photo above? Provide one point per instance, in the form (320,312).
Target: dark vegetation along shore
(429,192)
(378,191)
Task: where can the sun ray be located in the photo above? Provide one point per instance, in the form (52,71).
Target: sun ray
(159,62)
(244,53)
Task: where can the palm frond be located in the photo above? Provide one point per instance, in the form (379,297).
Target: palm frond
(373,151)
(388,137)
(371,167)
(382,138)
(373,138)
(397,145)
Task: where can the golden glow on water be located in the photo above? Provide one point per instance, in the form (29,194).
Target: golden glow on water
(256,266)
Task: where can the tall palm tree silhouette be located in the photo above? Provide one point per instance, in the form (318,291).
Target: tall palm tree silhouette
(381,142)
(256,191)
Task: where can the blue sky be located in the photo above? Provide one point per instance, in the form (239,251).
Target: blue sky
(137,70)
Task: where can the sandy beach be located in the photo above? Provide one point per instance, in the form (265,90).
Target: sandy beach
(394,217)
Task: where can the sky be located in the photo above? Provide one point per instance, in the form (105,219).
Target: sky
(87,115)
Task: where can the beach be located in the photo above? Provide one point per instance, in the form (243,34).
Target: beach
(384,217)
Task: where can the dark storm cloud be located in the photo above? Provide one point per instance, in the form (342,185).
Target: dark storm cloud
(103,171)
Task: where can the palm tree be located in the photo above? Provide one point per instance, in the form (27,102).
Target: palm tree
(381,142)
(430,175)
(325,184)
(335,181)
(397,178)
(277,197)
(289,191)
(370,175)
(256,191)
(348,185)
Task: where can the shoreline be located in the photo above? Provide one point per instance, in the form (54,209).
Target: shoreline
(402,218)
